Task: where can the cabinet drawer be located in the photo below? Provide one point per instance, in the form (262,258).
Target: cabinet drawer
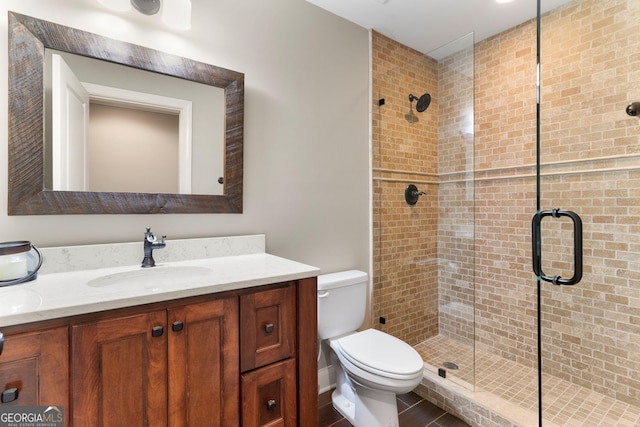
(267,327)
(34,369)
(269,396)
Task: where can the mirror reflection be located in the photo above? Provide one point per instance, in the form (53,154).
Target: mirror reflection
(108,125)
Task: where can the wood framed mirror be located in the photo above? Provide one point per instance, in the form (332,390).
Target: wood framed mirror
(27,193)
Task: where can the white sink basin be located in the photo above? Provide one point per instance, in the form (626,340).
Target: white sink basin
(153,278)
(16,300)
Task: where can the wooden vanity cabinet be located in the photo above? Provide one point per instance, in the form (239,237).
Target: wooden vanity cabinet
(119,372)
(269,396)
(203,364)
(267,327)
(34,369)
(175,363)
(175,367)
(267,357)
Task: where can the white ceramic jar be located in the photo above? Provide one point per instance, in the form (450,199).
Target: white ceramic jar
(13,259)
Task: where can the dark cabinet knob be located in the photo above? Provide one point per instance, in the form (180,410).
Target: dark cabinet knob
(177,326)
(9,395)
(1,342)
(268,328)
(157,331)
(271,404)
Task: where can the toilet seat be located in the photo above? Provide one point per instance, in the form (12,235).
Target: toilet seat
(380,353)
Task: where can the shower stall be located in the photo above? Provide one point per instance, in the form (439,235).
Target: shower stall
(526,156)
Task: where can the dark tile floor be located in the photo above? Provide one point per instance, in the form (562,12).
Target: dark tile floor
(413,411)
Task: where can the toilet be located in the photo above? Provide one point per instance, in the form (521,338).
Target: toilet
(371,366)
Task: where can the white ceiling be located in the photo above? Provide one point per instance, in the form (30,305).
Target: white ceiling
(426,25)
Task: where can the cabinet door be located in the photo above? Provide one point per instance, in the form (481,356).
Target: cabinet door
(204,378)
(119,372)
(269,396)
(37,365)
(268,327)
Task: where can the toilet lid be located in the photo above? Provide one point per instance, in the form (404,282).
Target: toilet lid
(373,350)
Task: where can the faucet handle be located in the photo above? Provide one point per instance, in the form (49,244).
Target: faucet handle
(149,236)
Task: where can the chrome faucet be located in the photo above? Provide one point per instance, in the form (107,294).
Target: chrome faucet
(151,243)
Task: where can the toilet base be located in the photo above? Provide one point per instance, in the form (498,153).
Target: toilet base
(366,399)
(344,406)
(364,407)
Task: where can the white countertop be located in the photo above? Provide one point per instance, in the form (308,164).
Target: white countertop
(69,293)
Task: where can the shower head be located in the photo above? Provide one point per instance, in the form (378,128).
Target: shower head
(423,102)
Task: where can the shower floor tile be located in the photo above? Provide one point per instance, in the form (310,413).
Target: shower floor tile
(564,403)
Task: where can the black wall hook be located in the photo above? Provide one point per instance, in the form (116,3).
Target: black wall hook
(411,194)
(633,109)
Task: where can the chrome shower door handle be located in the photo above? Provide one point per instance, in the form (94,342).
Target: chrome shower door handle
(537,247)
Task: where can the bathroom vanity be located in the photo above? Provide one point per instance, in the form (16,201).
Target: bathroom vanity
(224,340)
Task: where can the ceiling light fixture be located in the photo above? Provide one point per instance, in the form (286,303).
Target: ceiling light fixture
(146,7)
(175,13)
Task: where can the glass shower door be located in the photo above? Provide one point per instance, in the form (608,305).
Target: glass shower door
(424,202)
(586,232)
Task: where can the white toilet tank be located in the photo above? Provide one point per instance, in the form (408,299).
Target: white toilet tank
(342,302)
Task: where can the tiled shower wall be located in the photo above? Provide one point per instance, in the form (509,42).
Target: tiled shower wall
(405,151)
(590,71)
(505,110)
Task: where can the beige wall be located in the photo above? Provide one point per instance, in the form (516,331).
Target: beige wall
(306,158)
